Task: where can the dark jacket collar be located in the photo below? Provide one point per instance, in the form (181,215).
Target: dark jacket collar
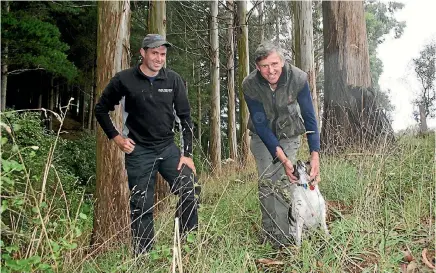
(282,79)
(162,75)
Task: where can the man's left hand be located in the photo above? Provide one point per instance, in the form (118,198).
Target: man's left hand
(314,168)
(188,162)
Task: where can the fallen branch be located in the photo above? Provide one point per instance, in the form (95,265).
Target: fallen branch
(425,260)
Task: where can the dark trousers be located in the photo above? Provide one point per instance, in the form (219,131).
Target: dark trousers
(142,165)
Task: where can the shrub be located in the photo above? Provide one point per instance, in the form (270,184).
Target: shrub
(43,213)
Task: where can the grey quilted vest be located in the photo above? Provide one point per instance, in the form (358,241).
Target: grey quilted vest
(281,107)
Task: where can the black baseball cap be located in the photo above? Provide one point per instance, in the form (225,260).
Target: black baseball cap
(154,40)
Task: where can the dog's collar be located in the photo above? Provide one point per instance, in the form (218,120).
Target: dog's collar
(306,185)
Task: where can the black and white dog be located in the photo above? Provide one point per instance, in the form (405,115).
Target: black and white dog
(308,207)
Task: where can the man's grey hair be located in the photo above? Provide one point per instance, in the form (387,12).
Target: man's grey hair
(267,48)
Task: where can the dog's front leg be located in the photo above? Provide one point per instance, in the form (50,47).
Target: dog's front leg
(324,221)
(299,234)
(324,227)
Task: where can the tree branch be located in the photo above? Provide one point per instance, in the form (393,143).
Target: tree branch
(72,6)
(19,71)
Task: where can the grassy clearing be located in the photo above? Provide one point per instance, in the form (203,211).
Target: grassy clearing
(379,205)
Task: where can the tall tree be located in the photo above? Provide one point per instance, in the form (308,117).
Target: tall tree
(215,123)
(380,21)
(91,101)
(111,214)
(318,49)
(351,116)
(231,82)
(243,71)
(157,17)
(277,20)
(199,112)
(261,20)
(4,63)
(304,51)
(157,24)
(425,69)
(51,102)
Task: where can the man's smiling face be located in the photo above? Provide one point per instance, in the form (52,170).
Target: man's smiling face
(271,68)
(154,58)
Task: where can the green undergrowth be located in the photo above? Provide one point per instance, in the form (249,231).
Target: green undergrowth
(380,204)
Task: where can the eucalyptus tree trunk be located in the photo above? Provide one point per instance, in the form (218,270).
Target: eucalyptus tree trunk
(70,92)
(56,98)
(261,21)
(91,101)
(277,21)
(425,70)
(4,78)
(157,25)
(157,17)
(215,123)
(303,37)
(77,101)
(90,108)
(40,99)
(231,82)
(111,213)
(94,87)
(422,119)
(51,104)
(243,71)
(4,64)
(82,109)
(351,116)
(199,112)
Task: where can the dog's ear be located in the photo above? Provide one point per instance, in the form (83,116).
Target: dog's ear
(308,167)
(295,173)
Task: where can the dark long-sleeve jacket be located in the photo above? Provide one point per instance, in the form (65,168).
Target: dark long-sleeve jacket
(149,105)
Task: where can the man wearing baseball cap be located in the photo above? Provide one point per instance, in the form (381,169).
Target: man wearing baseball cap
(152,93)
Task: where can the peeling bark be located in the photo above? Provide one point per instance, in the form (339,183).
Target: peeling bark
(304,46)
(231,83)
(351,117)
(215,122)
(243,71)
(111,213)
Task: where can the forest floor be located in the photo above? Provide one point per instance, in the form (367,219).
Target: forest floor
(381,213)
(381,218)
(71,128)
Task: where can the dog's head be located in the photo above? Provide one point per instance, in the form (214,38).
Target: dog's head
(302,171)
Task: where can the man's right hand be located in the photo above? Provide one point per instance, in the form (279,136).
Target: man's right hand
(125,144)
(289,170)
(287,164)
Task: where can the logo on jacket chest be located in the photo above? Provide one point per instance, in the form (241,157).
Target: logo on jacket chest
(165,90)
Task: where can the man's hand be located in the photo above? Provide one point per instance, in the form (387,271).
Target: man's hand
(289,170)
(314,168)
(287,164)
(125,144)
(188,162)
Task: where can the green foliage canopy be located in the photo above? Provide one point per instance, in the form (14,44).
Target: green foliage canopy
(425,69)
(34,42)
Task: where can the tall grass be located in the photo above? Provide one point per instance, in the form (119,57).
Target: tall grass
(380,204)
